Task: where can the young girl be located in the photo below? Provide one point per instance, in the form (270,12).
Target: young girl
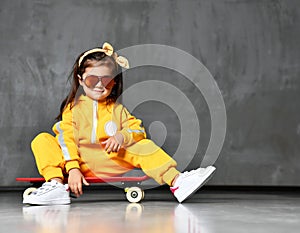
(97,136)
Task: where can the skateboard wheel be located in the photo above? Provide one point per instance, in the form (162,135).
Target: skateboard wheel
(143,195)
(28,191)
(134,194)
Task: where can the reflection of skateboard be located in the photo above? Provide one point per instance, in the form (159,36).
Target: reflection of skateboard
(133,192)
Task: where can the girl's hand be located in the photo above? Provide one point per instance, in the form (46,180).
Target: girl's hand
(114,143)
(75,181)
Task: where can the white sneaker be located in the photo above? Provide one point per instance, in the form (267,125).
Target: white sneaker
(188,183)
(50,193)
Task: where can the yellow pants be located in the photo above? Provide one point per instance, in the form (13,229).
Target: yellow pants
(144,155)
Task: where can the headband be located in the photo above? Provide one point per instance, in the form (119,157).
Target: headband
(109,51)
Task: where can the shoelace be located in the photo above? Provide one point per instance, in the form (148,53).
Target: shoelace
(44,188)
(188,173)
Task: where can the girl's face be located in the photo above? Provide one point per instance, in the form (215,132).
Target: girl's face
(97,82)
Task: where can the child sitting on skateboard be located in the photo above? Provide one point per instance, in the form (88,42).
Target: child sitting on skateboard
(97,136)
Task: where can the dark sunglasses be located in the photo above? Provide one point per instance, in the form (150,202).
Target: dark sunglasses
(92,80)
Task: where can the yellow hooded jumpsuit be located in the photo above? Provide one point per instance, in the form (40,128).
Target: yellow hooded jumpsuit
(77,144)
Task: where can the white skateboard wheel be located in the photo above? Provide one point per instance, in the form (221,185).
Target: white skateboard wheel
(134,194)
(28,191)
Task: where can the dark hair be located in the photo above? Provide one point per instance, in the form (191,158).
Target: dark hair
(89,61)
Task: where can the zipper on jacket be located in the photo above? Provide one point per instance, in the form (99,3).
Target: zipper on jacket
(95,121)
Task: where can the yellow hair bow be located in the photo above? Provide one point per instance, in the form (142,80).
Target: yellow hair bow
(109,51)
(123,62)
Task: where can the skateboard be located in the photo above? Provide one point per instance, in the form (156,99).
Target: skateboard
(134,193)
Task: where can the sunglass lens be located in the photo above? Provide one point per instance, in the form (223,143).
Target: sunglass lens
(91,81)
(106,80)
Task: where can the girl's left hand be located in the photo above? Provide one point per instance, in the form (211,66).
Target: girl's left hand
(75,181)
(114,143)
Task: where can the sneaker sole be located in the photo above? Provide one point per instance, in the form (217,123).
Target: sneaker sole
(49,202)
(192,190)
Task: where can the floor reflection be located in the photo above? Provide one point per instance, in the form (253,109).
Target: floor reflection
(46,218)
(111,217)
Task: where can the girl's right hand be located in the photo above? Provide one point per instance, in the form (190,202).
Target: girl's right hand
(113,143)
(75,181)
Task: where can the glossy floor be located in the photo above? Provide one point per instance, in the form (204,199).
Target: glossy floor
(106,210)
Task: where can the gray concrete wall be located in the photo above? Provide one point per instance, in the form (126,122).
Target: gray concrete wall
(250,47)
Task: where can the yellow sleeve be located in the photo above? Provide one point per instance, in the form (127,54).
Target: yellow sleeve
(131,128)
(64,131)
